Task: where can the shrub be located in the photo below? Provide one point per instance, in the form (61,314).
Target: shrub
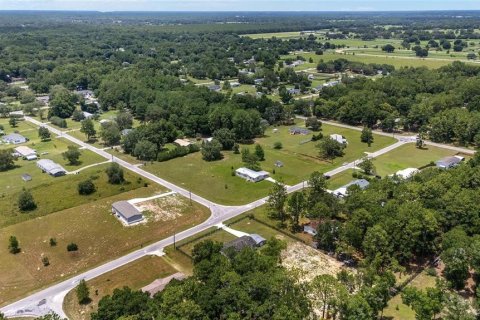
(53,242)
(45,261)
(277,145)
(59,122)
(72,247)
(26,201)
(86,187)
(115,174)
(177,152)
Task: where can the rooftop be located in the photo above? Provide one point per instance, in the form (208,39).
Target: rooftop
(126,209)
(251,173)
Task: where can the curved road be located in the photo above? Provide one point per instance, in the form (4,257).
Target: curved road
(51,298)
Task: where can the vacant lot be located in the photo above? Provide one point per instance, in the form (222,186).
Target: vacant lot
(135,275)
(219,236)
(299,156)
(251,226)
(408,156)
(98,234)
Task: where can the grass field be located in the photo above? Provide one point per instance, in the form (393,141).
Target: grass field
(214,180)
(397,310)
(408,156)
(252,226)
(218,236)
(98,234)
(134,275)
(340,179)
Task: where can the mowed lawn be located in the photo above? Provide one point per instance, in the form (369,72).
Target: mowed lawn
(397,310)
(340,179)
(214,180)
(408,156)
(134,275)
(99,235)
(218,236)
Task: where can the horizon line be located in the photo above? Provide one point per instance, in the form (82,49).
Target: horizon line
(232,11)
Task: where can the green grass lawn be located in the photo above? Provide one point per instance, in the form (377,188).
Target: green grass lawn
(214,180)
(397,310)
(252,226)
(98,234)
(134,275)
(408,156)
(219,236)
(341,179)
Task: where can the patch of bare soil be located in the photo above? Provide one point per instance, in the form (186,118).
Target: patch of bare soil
(163,209)
(309,262)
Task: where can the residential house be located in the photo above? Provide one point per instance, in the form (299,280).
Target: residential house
(50,167)
(449,162)
(343,191)
(311,228)
(339,138)
(26,153)
(126,132)
(234,84)
(406,173)
(298,130)
(248,241)
(250,175)
(160,284)
(14,138)
(182,142)
(258,81)
(87,115)
(126,212)
(214,87)
(294,91)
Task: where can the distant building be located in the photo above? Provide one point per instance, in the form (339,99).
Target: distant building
(50,167)
(298,130)
(16,114)
(14,138)
(86,94)
(279,164)
(250,175)
(126,132)
(182,142)
(339,138)
(87,115)
(215,88)
(343,191)
(26,177)
(294,91)
(43,99)
(407,173)
(258,81)
(249,241)
(311,77)
(126,212)
(234,84)
(26,153)
(160,284)
(104,121)
(449,162)
(311,228)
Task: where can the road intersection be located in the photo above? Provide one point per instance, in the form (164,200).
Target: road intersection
(51,298)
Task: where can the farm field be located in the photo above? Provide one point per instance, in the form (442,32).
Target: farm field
(134,275)
(215,182)
(99,235)
(408,156)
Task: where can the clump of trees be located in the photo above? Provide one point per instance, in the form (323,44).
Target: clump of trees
(115,173)
(13,245)
(26,201)
(83,292)
(44,134)
(7,160)
(86,187)
(212,150)
(72,154)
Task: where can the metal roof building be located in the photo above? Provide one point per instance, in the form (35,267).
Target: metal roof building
(250,175)
(343,191)
(126,212)
(449,162)
(14,138)
(50,167)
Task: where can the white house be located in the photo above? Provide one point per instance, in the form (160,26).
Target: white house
(250,175)
(50,167)
(343,191)
(182,142)
(339,138)
(407,173)
(26,152)
(14,138)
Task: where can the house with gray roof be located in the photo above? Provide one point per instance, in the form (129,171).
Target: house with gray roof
(248,241)
(343,191)
(52,168)
(449,162)
(127,212)
(14,138)
(298,130)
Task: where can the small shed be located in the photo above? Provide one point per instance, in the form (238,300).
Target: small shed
(278,164)
(311,228)
(298,130)
(339,138)
(26,177)
(182,142)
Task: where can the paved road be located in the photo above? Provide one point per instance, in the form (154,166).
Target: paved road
(51,298)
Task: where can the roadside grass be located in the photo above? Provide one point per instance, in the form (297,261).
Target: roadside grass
(408,156)
(124,156)
(134,275)
(215,182)
(254,227)
(218,236)
(99,235)
(396,310)
(54,194)
(340,179)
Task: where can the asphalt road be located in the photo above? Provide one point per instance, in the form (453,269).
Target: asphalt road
(51,298)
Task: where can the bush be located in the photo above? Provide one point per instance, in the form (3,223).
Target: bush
(72,247)
(86,187)
(177,152)
(277,145)
(26,201)
(45,261)
(431,272)
(59,122)
(115,174)
(53,242)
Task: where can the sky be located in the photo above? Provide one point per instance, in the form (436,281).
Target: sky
(240,5)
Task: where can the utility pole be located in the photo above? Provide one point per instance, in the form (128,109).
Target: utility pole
(190,193)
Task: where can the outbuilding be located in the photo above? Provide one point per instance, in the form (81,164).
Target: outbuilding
(14,138)
(126,212)
(407,173)
(343,191)
(250,175)
(182,142)
(339,138)
(50,167)
(449,162)
(26,153)
(298,130)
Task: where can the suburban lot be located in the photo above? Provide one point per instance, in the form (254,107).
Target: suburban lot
(214,180)
(134,275)
(98,234)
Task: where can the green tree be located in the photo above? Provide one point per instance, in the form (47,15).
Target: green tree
(88,129)
(367,136)
(115,173)
(357,308)
(83,292)
(72,155)
(456,267)
(124,120)
(71,247)
(313,123)
(388,48)
(367,166)
(110,133)
(250,160)
(86,187)
(212,151)
(7,161)
(26,201)
(296,208)
(323,289)
(276,202)
(226,137)
(426,304)
(145,150)
(13,122)
(259,153)
(43,133)
(78,115)
(13,245)
(330,149)
(50,316)
(62,102)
